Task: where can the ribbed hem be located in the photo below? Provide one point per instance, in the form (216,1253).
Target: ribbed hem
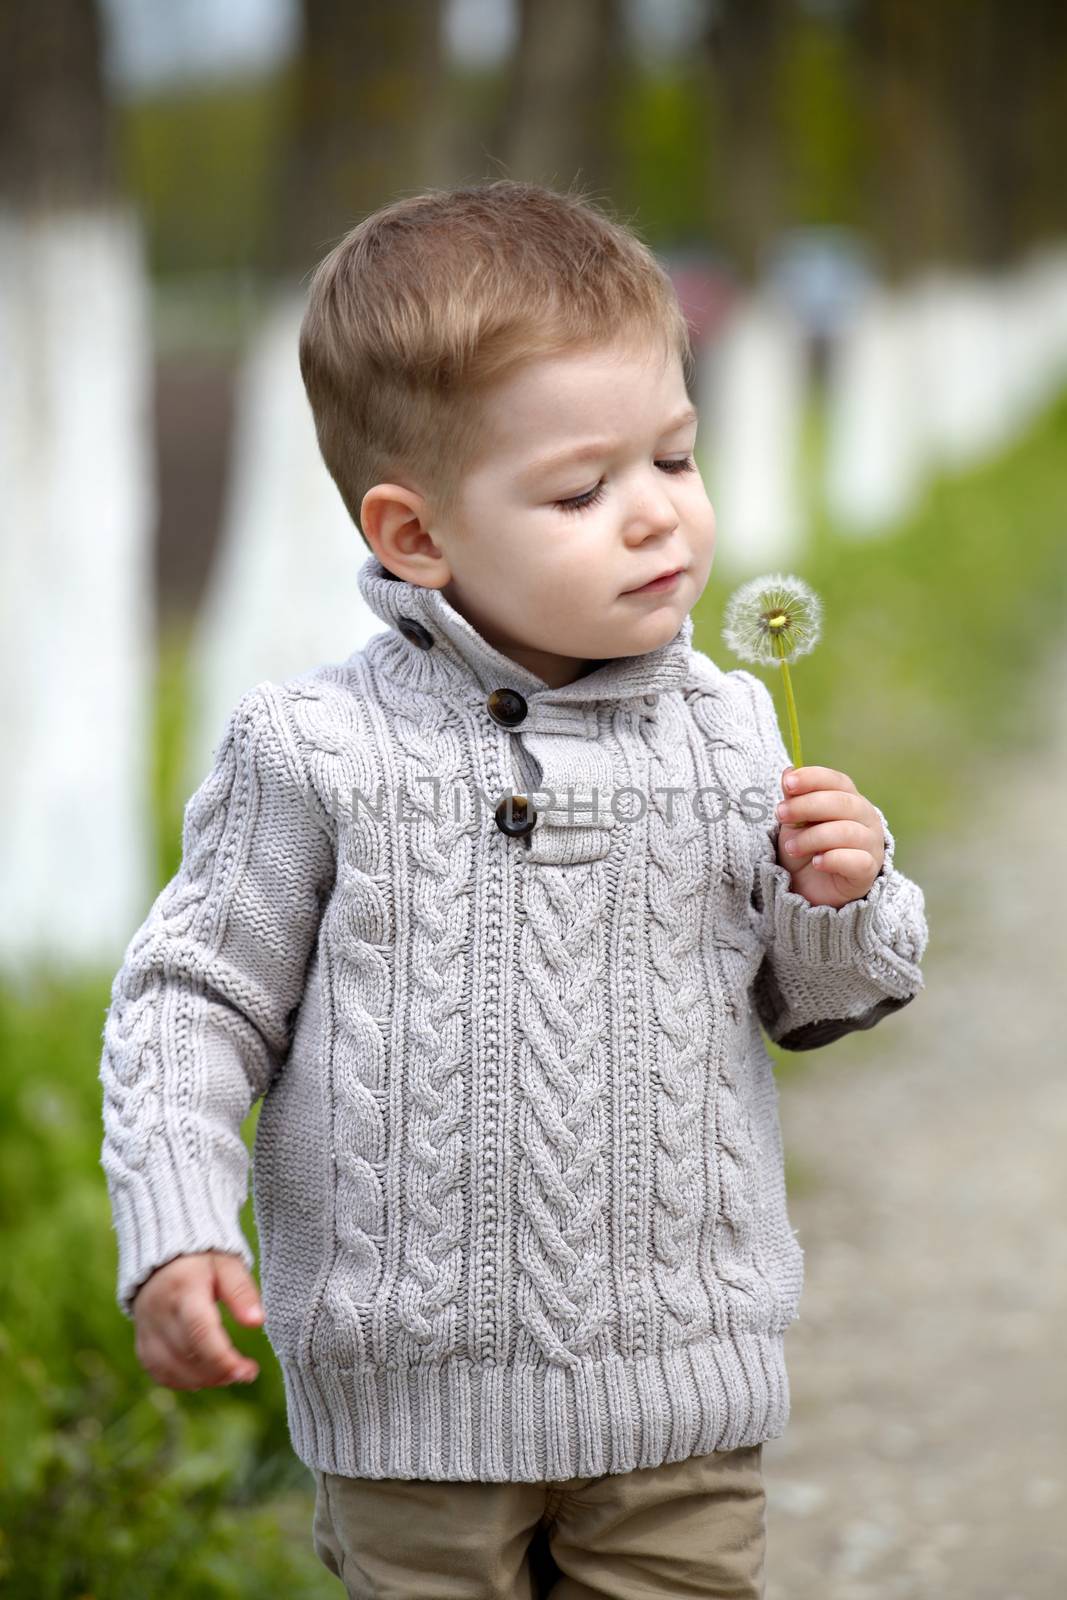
(179,1213)
(457,1421)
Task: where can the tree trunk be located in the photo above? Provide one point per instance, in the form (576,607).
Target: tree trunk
(76,640)
(557,122)
(743,42)
(56,138)
(368,120)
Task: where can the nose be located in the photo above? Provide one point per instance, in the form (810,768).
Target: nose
(652,511)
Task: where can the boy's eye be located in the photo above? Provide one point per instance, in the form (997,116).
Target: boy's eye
(580,502)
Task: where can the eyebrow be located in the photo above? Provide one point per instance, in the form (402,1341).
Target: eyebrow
(597,447)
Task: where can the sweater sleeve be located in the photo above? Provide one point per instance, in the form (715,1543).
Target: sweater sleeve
(203,1006)
(828,971)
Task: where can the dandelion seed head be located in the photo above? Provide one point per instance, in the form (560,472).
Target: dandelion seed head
(771,619)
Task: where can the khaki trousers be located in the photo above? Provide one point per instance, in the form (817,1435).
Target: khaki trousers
(694,1527)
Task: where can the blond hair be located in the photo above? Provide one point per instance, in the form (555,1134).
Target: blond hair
(428,302)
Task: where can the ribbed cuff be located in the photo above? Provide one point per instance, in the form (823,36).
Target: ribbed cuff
(163,1210)
(884,933)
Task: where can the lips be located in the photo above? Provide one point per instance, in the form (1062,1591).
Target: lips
(672,572)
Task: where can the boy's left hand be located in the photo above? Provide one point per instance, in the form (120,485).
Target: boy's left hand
(844,830)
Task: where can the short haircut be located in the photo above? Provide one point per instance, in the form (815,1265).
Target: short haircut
(428,302)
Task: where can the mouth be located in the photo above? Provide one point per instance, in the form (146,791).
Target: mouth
(665,581)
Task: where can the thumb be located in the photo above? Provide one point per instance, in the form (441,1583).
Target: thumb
(236,1288)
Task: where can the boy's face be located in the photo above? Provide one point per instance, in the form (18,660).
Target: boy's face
(548,583)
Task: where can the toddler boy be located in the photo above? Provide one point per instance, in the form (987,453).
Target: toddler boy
(491,914)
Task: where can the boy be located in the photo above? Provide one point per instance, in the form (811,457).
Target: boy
(491,914)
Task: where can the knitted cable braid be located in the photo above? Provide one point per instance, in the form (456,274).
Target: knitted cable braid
(561,1241)
(683,1010)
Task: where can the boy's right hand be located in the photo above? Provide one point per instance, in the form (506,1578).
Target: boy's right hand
(181,1341)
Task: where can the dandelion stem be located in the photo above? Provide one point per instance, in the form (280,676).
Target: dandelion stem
(791,707)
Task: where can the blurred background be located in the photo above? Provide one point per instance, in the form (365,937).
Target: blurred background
(862,205)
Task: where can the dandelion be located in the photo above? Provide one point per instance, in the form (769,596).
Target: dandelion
(774,619)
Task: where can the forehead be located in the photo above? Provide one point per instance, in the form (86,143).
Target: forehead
(553,401)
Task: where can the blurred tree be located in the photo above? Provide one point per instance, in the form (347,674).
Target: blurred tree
(1007,95)
(76,634)
(56,138)
(1041,109)
(913,207)
(558,117)
(967,107)
(202,160)
(751,393)
(663,149)
(824,137)
(368,120)
(743,42)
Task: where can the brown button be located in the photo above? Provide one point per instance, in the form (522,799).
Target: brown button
(507,707)
(415,632)
(521,819)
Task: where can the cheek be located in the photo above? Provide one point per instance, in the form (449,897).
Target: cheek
(564,541)
(701,513)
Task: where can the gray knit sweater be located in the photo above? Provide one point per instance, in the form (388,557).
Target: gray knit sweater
(517,1173)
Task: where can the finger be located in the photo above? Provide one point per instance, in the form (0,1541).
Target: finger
(163,1359)
(236,1288)
(854,866)
(162,1365)
(808,778)
(201,1341)
(823,805)
(194,1371)
(821,836)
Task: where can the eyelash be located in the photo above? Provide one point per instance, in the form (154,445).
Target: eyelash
(583,502)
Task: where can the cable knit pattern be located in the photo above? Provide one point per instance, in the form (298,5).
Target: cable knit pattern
(518,1171)
(682,1013)
(359,982)
(430,744)
(562,1245)
(728,766)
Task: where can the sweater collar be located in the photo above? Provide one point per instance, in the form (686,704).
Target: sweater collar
(457,658)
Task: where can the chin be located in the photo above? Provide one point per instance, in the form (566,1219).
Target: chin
(668,614)
(652,632)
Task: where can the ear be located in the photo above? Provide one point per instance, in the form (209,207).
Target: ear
(394,522)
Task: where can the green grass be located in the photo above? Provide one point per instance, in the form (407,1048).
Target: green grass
(111,1486)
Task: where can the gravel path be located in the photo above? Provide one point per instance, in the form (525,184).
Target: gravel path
(926,1454)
